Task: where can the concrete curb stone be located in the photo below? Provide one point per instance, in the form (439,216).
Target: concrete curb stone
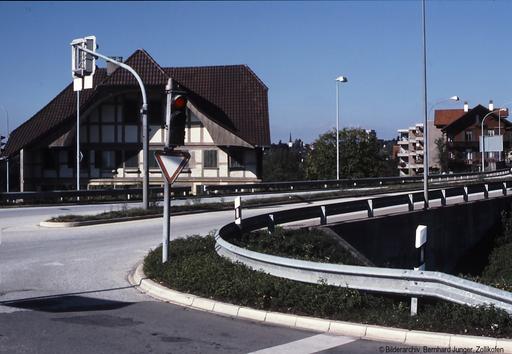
(95,222)
(370,332)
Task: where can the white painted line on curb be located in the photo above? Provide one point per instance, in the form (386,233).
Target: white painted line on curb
(308,345)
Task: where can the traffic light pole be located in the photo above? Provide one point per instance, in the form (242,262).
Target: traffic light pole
(166,236)
(78,141)
(144,115)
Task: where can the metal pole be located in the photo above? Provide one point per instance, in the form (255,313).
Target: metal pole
(77,140)
(337,133)
(483,145)
(145,137)
(425,126)
(7,161)
(166,235)
(7,157)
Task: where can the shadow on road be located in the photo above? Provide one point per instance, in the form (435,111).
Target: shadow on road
(73,302)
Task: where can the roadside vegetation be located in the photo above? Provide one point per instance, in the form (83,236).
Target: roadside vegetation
(195,268)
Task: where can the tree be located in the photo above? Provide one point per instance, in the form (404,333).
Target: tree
(361,155)
(284,163)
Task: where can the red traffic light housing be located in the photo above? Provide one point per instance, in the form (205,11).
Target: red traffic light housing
(178,120)
(179,102)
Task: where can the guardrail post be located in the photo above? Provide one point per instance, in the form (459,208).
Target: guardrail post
(238,211)
(370,208)
(486,191)
(271,224)
(323,216)
(419,242)
(411,202)
(443,197)
(504,188)
(466,195)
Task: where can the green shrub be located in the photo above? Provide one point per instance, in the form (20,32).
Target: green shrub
(195,268)
(311,245)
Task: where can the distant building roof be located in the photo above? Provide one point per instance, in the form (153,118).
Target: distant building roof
(444,117)
(232,95)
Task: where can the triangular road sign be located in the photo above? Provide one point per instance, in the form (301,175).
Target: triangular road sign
(171,163)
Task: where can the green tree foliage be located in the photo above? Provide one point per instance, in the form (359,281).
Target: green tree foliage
(361,155)
(284,163)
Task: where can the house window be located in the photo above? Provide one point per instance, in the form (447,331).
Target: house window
(131,159)
(468,135)
(469,155)
(131,111)
(155,114)
(490,132)
(153,165)
(49,159)
(236,159)
(210,158)
(105,160)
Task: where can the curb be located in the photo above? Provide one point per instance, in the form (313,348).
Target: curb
(362,331)
(55,224)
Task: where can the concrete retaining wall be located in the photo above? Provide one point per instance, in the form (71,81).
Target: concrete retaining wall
(459,236)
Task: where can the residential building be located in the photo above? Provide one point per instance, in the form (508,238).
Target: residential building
(461,130)
(410,151)
(227,128)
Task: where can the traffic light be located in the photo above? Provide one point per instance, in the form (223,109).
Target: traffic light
(2,144)
(178,119)
(83,64)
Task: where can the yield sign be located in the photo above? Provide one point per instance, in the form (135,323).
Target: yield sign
(171,163)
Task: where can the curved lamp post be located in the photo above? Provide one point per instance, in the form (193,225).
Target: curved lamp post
(338,80)
(482,133)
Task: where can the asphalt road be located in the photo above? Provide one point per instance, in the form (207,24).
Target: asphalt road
(65,290)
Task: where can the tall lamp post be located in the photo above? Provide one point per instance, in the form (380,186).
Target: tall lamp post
(482,134)
(338,80)
(7,158)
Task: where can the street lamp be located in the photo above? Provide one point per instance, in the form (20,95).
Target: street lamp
(426,147)
(7,157)
(338,79)
(482,133)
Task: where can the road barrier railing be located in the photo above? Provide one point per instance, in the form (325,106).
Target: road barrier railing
(129,194)
(85,195)
(275,187)
(383,280)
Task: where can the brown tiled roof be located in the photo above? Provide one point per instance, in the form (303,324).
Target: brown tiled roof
(444,117)
(232,95)
(236,91)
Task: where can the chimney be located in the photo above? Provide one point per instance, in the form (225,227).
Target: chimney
(491,105)
(466,106)
(111,67)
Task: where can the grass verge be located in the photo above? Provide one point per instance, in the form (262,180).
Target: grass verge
(195,268)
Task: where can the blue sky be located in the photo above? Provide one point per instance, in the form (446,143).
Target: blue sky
(296,48)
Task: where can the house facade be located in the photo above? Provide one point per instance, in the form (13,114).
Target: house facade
(462,129)
(227,128)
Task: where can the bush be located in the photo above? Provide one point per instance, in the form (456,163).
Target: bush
(195,268)
(311,245)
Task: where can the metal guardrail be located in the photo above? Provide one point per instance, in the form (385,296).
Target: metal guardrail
(220,190)
(383,280)
(93,194)
(274,187)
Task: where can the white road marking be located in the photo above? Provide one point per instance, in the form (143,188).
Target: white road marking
(55,264)
(308,345)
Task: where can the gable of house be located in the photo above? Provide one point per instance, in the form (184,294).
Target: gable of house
(231,96)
